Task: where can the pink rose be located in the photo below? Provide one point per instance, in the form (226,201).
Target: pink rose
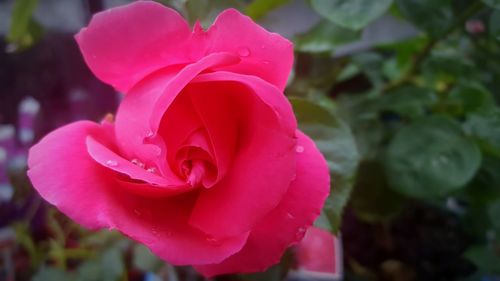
(203,163)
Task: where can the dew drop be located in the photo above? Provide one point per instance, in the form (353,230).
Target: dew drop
(212,240)
(112,163)
(299,148)
(243,52)
(137,162)
(149,134)
(300,232)
(151,170)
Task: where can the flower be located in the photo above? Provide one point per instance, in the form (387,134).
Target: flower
(203,163)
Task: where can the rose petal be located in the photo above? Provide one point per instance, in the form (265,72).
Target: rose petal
(119,51)
(162,226)
(286,224)
(141,112)
(113,161)
(66,176)
(270,95)
(124,44)
(264,54)
(261,170)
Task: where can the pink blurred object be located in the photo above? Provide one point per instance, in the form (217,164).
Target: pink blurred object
(319,256)
(475,26)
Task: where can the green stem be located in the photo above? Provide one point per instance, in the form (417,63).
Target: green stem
(418,59)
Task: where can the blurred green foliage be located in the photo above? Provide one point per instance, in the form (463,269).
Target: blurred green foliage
(425,123)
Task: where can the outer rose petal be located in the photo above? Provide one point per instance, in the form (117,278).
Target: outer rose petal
(124,44)
(161,224)
(65,175)
(285,225)
(264,54)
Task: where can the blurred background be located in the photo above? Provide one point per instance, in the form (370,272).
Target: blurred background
(401,96)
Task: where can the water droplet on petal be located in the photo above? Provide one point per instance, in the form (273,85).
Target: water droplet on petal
(299,148)
(149,134)
(112,163)
(212,240)
(243,52)
(300,233)
(151,170)
(137,162)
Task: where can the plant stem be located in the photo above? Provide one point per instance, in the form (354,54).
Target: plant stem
(419,57)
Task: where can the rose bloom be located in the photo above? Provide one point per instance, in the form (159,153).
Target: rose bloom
(203,162)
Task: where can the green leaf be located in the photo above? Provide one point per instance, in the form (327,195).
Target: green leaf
(207,10)
(392,70)
(112,264)
(108,267)
(335,140)
(372,200)
(361,111)
(485,187)
(484,126)
(144,260)
(494,25)
(431,158)
(50,274)
(324,37)
(337,200)
(408,101)
(259,8)
(90,270)
(353,14)
(484,258)
(21,15)
(323,221)
(433,16)
(494,212)
(448,67)
(405,49)
(332,136)
(493,3)
(371,64)
(471,97)
(21,23)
